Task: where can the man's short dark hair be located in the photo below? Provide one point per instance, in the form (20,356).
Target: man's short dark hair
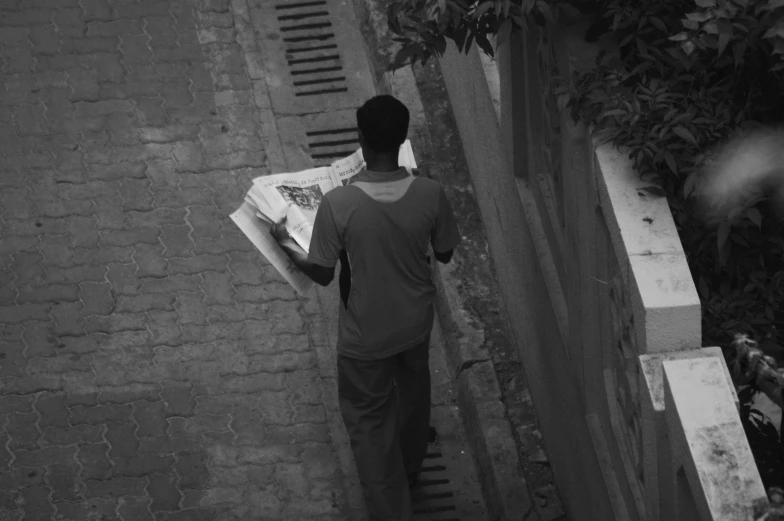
(383,121)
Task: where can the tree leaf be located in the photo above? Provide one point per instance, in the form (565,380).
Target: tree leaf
(482,9)
(774,32)
(403,56)
(507,5)
(705,3)
(684,133)
(569,10)
(725,34)
(704,289)
(724,39)
(690,185)
(709,40)
(653,190)
(564,101)
(670,113)
(441,45)
(613,112)
(544,8)
(503,33)
(699,16)
(658,23)
(484,44)
(459,36)
(690,24)
(670,160)
(754,216)
(738,51)
(722,235)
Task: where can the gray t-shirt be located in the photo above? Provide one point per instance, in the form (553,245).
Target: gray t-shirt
(384,223)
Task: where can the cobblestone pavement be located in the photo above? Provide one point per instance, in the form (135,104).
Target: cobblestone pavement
(152,366)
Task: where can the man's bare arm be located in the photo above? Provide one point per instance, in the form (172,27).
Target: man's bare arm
(321,275)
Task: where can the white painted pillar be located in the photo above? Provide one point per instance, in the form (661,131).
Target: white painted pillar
(712,476)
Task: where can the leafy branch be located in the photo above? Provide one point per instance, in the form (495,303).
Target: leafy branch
(422,27)
(673,82)
(755,369)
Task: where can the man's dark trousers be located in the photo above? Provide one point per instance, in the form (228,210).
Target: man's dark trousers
(385,405)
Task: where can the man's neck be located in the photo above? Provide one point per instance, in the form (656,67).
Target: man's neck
(382,163)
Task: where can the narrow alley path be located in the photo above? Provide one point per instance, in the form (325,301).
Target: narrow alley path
(152,366)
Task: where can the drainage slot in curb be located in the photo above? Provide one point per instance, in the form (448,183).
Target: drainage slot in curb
(314,71)
(317,63)
(301,4)
(434,468)
(444,491)
(331,131)
(332,155)
(427,482)
(314,48)
(332,144)
(309,38)
(302,16)
(316,82)
(303,27)
(322,91)
(316,59)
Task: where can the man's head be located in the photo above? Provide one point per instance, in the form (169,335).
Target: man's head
(383,124)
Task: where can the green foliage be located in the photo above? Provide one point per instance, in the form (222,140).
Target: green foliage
(674,79)
(738,26)
(423,26)
(756,373)
(675,84)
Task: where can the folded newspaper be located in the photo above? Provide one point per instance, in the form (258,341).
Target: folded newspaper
(296,197)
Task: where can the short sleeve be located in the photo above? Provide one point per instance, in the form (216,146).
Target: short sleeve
(446,236)
(326,241)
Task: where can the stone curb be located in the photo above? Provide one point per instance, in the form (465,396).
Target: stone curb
(472,369)
(316,306)
(489,430)
(247,40)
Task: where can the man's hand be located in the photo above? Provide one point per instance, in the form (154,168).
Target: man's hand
(319,274)
(279,231)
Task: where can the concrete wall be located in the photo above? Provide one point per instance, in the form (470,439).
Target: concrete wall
(594,281)
(542,348)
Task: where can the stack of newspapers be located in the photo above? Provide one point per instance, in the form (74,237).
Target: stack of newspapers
(296,198)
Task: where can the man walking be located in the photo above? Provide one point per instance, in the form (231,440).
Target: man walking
(380,227)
